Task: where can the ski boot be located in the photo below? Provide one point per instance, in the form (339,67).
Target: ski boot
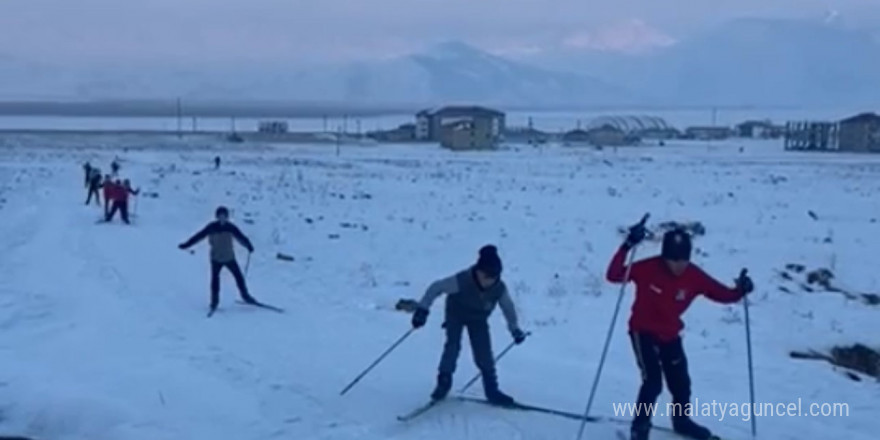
(493,394)
(639,430)
(444,384)
(686,427)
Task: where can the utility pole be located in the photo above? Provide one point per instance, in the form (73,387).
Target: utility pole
(179,120)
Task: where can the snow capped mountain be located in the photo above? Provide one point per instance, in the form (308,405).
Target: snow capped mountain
(773,62)
(745,62)
(827,61)
(631,36)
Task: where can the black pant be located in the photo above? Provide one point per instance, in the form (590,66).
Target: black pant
(481,349)
(239,281)
(122,207)
(657,359)
(93,191)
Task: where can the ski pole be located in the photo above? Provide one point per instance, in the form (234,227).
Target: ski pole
(497,358)
(632,256)
(247,264)
(749,351)
(376,362)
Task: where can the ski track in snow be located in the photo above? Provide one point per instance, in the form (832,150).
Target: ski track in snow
(103,332)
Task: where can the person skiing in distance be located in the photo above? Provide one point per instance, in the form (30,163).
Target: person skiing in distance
(216,162)
(94,186)
(665,287)
(471,296)
(127,185)
(87,168)
(120,193)
(109,190)
(220,234)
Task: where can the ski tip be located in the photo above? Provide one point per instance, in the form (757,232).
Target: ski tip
(645,218)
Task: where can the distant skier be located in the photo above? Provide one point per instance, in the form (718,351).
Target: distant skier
(220,234)
(471,297)
(109,190)
(94,187)
(120,194)
(665,287)
(114,167)
(216,162)
(87,168)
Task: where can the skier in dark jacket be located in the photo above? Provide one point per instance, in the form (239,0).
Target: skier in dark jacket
(220,235)
(87,168)
(471,296)
(665,287)
(94,187)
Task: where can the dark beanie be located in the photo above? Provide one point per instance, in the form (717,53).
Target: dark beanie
(222,210)
(489,263)
(676,245)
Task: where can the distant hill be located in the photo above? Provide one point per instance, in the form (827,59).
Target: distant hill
(748,62)
(445,73)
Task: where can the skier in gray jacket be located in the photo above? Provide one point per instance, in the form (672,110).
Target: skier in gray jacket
(220,235)
(471,296)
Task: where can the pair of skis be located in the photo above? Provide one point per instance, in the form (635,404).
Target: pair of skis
(255,304)
(516,406)
(525,407)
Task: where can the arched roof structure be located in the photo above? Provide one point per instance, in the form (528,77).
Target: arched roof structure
(630,123)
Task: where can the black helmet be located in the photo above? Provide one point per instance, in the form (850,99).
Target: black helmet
(221,210)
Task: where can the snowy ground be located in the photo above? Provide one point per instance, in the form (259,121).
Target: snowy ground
(103,334)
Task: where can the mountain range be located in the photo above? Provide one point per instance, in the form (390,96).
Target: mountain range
(760,62)
(746,62)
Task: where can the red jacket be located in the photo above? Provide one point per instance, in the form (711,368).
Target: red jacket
(661,297)
(114,192)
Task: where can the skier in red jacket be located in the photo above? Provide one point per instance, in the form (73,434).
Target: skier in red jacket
(665,287)
(120,193)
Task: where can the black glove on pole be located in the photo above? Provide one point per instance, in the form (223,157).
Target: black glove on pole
(420,317)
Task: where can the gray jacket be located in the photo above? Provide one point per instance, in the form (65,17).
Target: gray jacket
(466,300)
(220,236)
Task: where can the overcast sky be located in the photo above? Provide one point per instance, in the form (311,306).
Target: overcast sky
(317,30)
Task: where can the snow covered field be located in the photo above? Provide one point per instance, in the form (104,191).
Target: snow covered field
(104,336)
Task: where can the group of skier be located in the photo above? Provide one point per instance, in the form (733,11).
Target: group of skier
(116,191)
(665,287)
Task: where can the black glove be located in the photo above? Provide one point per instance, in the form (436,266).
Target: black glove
(636,234)
(251,249)
(744,284)
(420,317)
(181,246)
(518,336)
